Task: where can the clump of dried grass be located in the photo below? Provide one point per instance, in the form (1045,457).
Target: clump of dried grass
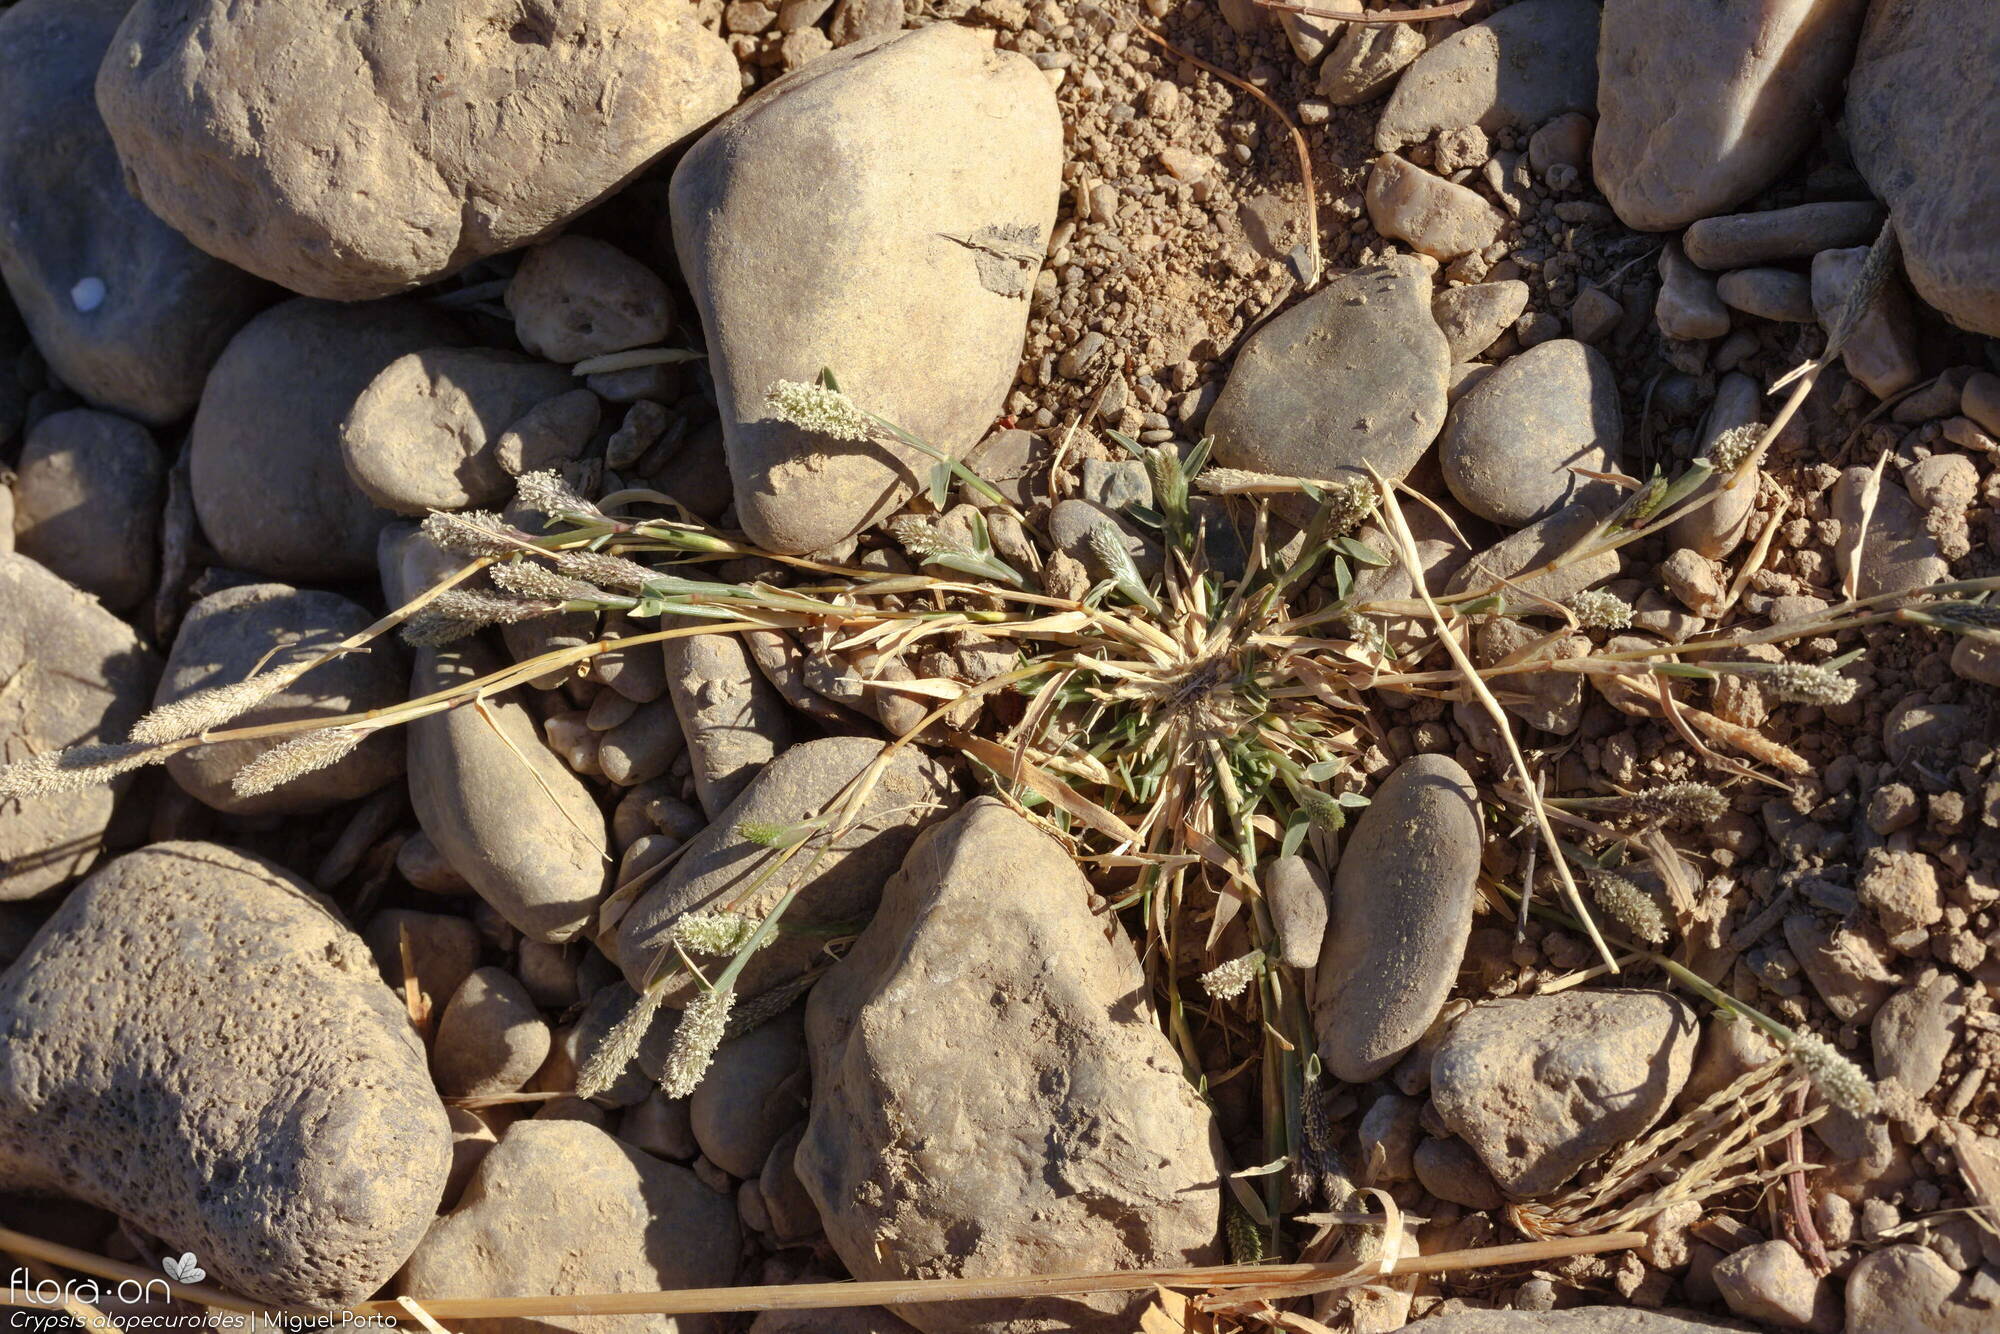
(1178,730)
(1709,1151)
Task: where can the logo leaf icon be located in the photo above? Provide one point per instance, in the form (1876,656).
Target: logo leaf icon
(185,1269)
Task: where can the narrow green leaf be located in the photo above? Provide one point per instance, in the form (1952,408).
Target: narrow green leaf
(1295,834)
(1360,551)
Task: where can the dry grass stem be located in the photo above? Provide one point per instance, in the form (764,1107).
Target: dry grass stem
(1373,17)
(1247,1280)
(1406,546)
(1708,1151)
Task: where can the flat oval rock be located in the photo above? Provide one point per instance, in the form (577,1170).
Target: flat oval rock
(558,1208)
(1527,64)
(291,375)
(837,884)
(490,1038)
(226,635)
(1923,125)
(197,1043)
(578,297)
(87,503)
(1351,376)
(1512,438)
(732,719)
(1474,317)
(127,312)
(1906,1288)
(1296,891)
(508,815)
(1899,553)
(1402,909)
(424,434)
(1703,105)
(357,158)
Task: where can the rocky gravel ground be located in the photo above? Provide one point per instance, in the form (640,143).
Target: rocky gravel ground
(892,825)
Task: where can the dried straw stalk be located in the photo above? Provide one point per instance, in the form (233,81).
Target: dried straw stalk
(1374,17)
(1248,1279)
(826,1296)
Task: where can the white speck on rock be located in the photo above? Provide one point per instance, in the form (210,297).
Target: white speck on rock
(88,294)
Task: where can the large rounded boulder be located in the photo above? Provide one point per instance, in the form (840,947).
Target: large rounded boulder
(196,1042)
(358,154)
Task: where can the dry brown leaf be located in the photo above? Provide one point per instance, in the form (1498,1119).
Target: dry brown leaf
(1000,759)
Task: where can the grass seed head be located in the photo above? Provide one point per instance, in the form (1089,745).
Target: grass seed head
(1728,450)
(816,408)
(1807,683)
(605,571)
(1628,905)
(702,1025)
(1246,1239)
(1692,803)
(1600,609)
(1838,1079)
(531,579)
(1349,503)
(609,1060)
(926,541)
(1325,812)
(1227,981)
(458,612)
(1107,546)
(771,834)
(1107,543)
(74,769)
(717,933)
(472,533)
(546,493)
(296,758)
(1169,479)
(1972,615)
(195,713)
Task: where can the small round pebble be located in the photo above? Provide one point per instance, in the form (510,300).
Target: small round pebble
(1512,441)
(578,297)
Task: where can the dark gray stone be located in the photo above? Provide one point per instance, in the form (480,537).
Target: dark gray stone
(87,503)
(1402,910)
(78,676)
(1513,438)
(1351,376)
(126,311)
